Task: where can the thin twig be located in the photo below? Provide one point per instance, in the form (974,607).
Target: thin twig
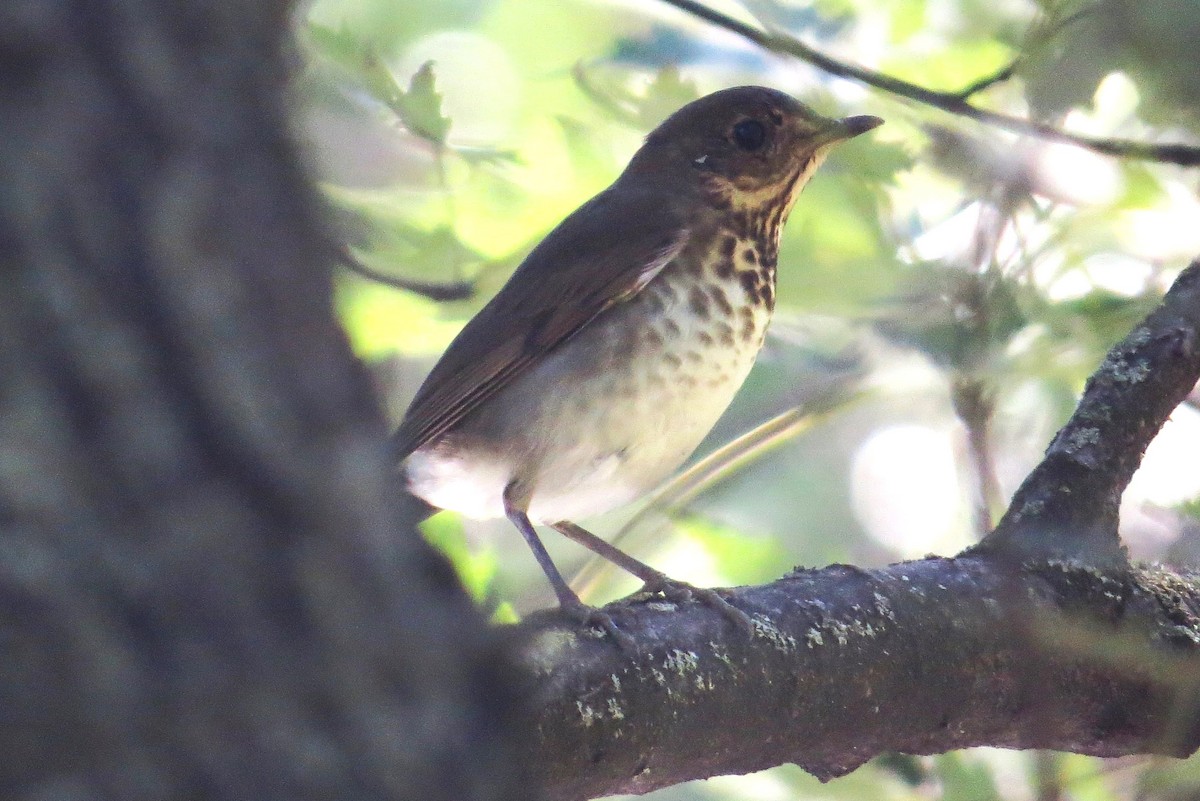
(988,81)
(455,290)
(952,102)
(975,409)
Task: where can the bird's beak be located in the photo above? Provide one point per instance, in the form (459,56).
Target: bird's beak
(850,127)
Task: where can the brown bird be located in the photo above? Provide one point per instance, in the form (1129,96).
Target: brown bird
(619,341)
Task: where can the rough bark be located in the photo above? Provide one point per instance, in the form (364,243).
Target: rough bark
(845,664)
(1043,636)
(1068,505)
(207,586)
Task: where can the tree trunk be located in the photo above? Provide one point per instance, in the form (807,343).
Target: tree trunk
(208,585)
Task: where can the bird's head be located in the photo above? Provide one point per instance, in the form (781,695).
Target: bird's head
(746,146)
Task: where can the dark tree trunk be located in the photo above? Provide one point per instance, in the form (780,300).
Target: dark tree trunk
(207,586)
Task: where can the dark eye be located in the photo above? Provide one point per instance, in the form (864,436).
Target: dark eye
(749,134)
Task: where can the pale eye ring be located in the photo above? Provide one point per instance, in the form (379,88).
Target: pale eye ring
(749,135)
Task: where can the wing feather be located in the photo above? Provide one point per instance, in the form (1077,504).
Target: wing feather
(602,255)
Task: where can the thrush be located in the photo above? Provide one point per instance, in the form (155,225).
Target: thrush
(614,347)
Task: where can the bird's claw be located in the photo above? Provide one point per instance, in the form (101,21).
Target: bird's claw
(680,591)
(591,617)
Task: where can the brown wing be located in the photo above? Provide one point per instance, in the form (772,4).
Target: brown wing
(601,255)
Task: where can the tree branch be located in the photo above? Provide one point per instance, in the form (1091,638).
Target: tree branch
(920,657)
(1022,642)
(952,102)
(1068,505)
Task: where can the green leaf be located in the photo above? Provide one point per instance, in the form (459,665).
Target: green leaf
(420,108)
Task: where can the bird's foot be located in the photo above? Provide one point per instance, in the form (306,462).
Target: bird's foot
(677,591)
(591,617)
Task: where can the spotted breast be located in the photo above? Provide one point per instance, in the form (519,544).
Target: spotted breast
(647,383)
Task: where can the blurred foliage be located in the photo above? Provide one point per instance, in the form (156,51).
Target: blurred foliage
(1076,43)
(931,254)
(476,566)
(418,108)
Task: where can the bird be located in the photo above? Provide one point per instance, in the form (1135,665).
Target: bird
(609,354)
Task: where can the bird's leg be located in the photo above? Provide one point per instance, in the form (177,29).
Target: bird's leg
(655,581)
(567,599)
(653,578)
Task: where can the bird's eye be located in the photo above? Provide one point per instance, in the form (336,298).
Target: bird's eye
(749,134)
